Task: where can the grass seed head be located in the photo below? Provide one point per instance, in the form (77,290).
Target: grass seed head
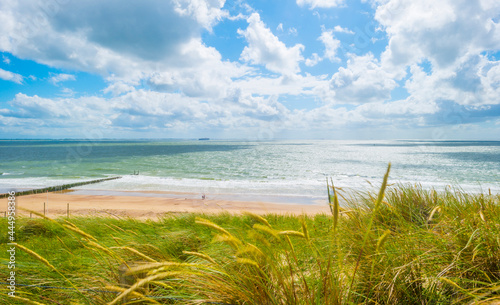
(208,223)
(201,255)
(266,229)
(36,256)
(292,233)
(138,253)
(258,218)
(75,229)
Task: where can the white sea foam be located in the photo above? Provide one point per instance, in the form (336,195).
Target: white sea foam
(19,184)
(281,168)
(310,188)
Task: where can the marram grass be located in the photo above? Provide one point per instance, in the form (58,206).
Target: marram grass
(404,245)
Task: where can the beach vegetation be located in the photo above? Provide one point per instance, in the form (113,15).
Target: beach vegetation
(401,245)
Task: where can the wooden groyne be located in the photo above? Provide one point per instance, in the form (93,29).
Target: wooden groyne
(59,187)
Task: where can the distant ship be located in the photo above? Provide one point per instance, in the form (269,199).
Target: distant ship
(203,139)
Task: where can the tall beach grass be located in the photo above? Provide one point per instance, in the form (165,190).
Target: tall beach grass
(402,245)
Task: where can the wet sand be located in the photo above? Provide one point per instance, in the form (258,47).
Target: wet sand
(147,207)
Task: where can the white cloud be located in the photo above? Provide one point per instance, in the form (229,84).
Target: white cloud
(283,85)
(11,76)
(189,86)
(326,119)
(320,3)
(207,13)
(118,88)
(362,81)
(204,76)
(475,82)
(408,108)
(153,42)
(439,47)
(67,92)
(6,59)
(331,45)
(105,36)
(142,111)
(313,60)
(266,49)
(404,114)
(36,109)
(62,77)
(340,29)
(441,31)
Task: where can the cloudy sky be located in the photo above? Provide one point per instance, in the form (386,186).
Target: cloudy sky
(334,69)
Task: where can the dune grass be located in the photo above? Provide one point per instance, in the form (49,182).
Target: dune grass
(403,245)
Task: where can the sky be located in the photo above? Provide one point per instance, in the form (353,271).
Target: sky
(260,70)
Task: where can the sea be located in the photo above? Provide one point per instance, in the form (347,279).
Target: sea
(288,171)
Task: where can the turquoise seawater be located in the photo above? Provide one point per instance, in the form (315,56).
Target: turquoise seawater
(277,168)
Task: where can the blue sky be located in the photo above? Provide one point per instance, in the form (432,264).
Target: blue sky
(333,69)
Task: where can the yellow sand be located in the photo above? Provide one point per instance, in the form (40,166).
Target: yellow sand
(146,207)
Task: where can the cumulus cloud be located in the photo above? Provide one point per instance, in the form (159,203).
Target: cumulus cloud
(362,81)
(282,85)
(62,77)
(320,3)
(118,88)
(151,42)
(150,29)
(340,29)
(11,76)
(104,36)
(474,82)
(207,13)
(60,110)
(407,109)
(67,92)
(331,45)
(204,76)
(264,48)
(440,31)
(313,60)
(439,50)
(142,110)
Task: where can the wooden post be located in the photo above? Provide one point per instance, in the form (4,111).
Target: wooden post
(44,209)
(67,211)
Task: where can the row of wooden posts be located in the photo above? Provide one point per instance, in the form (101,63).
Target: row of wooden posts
(44,211)
(53,189)
(57,188)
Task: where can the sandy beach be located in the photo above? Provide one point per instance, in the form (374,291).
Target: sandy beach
(146,207)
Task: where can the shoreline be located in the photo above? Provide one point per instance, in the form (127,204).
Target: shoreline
(252,197)
(148,206)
